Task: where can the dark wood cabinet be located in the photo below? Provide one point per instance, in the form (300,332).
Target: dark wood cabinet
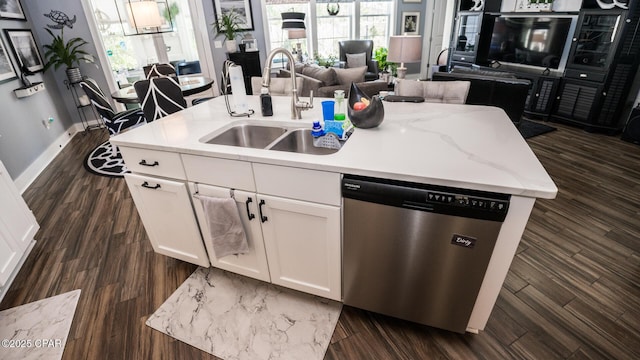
(601,68)
(250,63)
(471,42)
(577,100)
(542,94)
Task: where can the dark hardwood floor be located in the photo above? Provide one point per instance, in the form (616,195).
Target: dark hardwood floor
(573,291)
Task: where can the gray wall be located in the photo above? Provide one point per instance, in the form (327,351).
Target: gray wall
(412,7)
(23,137)
(220,54)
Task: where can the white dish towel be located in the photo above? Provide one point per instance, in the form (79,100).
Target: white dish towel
(225,226)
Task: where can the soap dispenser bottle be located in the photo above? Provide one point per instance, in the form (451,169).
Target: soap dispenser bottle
(265,102)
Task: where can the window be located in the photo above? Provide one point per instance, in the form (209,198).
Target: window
(375,21)
(128,54)
(278,36)
(332,29)
(356,19)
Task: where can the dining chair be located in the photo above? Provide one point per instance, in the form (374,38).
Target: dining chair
(156,70)
(116,122)
(277,86)
(159,97)
(449,92)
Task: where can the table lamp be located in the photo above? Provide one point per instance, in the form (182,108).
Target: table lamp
(293,22)
(404,49)
(298,34)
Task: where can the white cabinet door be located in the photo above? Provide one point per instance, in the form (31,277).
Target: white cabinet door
(165,209)
(10,255)
(302,240)
(18,219)
(254,264)
(18,226)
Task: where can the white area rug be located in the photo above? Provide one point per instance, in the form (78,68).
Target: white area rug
(235,317)
(37,330)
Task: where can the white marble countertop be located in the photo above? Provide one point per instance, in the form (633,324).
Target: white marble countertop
(473,147)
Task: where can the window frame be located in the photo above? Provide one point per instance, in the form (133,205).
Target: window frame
(312,23)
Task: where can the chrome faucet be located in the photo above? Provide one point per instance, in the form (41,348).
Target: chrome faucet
(296,105)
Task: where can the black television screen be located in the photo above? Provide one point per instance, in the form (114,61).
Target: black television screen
(530,40)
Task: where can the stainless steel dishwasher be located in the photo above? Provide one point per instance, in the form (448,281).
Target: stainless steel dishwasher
(417,252)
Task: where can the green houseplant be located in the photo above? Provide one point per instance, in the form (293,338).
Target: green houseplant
(380,55)
(67,53)
(229,25)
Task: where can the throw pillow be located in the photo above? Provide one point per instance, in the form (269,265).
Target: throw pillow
(356,60)
(326,75)
(347,76)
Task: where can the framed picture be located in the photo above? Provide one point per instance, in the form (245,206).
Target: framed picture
(11,9)
(240,7)
(410,22)
(24,48)
(7,72)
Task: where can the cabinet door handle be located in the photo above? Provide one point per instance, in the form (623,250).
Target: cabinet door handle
(249,214)
(262,217)
(146,185)
(144,163)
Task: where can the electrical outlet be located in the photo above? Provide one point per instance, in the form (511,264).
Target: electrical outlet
(217,44)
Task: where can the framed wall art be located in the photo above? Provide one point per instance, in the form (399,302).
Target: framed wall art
(11,9)
(240,7)
(410,22)
(7,72)
(25,50)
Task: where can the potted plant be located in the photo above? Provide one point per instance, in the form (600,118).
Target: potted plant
(380,55)
(327,62)
(229,25)
(68,53)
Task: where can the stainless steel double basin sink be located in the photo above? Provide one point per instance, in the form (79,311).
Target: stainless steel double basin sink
(258,135)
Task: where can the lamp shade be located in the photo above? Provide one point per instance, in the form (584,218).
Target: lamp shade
(405,49)
(144,14)
(138,17)
(297,34)
(293,20)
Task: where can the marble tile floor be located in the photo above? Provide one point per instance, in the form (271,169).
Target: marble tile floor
(37,330)
(236,318)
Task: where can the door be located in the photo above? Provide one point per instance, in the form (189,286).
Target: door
(254,264)
(302,241)
(434,36)
(594,44)
(20,224)
(167,215)
(10,255)
(578,99)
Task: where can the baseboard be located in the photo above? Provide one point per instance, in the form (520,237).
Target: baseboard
(31,173)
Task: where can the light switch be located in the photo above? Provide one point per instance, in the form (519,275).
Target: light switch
(217,44)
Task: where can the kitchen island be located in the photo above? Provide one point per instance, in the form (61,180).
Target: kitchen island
(462,146)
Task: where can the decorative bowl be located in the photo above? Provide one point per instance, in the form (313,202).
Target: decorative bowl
(369,117)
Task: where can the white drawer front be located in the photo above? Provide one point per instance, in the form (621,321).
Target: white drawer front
(233,174)
(295,183)
(153,162)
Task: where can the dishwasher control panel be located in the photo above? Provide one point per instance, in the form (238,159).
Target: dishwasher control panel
(424,197)
(467,201)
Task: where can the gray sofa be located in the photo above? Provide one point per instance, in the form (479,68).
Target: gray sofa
(324,81)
